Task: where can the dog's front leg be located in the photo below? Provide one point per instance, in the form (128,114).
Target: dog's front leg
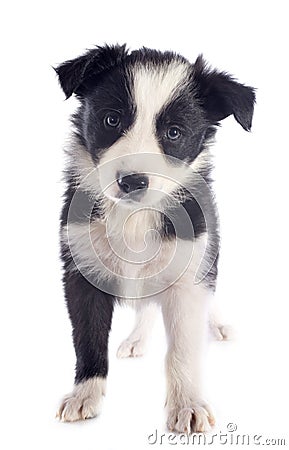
(90,312)
(185,313)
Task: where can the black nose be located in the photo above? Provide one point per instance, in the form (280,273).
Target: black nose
(134,182)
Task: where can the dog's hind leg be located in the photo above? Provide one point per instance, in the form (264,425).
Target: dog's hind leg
(135,344)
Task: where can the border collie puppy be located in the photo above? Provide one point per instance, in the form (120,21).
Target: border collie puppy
(139,221)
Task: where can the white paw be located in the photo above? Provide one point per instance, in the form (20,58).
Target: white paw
(83,402)
(222,332)
(131,348)
(74,408)
(197,418)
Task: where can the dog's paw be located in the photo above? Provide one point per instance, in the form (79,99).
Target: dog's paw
(131,348)
(222,332)
(83,402)
(74,408)
(198,418)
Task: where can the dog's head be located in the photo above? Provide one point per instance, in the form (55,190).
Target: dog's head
(146,116)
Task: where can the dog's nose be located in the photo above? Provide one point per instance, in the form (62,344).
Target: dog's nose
(134,182)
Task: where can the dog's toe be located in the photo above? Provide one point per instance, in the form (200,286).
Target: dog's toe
(222,332)
(196,419)
(131,348)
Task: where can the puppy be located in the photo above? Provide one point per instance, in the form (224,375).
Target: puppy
(139,221)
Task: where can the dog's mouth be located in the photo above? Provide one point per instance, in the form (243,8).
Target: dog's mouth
(131,197)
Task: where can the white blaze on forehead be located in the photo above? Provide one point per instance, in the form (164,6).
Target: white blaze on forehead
(153,87)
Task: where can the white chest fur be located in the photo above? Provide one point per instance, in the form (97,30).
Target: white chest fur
(126,256)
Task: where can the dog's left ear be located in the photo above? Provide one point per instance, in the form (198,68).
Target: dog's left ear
(77,75)
(220,95)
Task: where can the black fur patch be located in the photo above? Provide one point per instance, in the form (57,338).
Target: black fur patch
(184,113)
(90,312)
(111,94)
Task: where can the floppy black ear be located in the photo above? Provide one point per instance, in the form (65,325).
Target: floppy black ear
(220,95)
(76,75)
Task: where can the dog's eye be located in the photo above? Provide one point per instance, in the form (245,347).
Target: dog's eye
(112,119)
(173,133)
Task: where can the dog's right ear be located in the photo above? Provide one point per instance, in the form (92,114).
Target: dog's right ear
(77,75)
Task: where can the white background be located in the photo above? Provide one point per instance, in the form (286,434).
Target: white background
(246,379)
